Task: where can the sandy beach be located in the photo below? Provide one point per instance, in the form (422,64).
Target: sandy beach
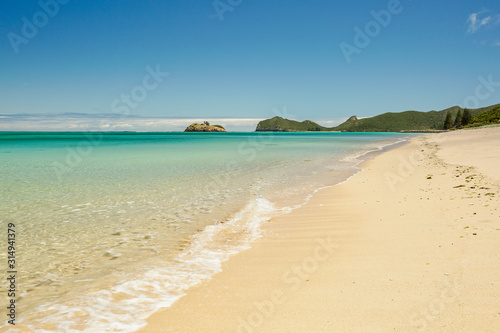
(410,244)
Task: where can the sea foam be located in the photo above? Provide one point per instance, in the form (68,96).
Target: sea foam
(125,306)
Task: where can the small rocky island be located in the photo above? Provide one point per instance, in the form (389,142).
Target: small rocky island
(205,127)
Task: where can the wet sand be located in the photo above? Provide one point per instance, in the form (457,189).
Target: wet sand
(411,244)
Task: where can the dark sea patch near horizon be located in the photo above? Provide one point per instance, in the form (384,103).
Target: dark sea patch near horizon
(113,226)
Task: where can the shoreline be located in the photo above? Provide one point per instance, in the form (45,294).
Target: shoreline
(298,276)
(166,281)
(399,263)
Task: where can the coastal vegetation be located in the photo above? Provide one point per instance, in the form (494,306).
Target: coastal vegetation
(465,119)
(278,124)
(489,117)
(448,122)
(454,117)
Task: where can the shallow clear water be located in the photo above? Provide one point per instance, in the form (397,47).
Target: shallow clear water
(112,226)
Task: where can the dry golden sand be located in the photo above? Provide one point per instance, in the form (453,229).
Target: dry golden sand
(402,246)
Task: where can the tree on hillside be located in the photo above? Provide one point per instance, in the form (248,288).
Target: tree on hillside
(467,117)
(448,122)
(458,119)
(206,123)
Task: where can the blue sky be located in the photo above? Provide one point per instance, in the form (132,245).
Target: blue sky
(253,59)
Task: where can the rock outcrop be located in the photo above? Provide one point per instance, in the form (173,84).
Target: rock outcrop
(195,127)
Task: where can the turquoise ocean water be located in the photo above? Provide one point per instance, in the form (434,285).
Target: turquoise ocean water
(113,226)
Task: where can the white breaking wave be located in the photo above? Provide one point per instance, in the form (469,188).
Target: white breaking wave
(124,307)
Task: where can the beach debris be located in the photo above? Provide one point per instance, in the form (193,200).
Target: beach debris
(474,233)
(458,186)
(469,178)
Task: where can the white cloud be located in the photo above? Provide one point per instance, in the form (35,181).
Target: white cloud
(103,122)
(330,122)
(487,42)
(478,20)
(112,122)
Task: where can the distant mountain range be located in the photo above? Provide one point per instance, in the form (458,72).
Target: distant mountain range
(387,122)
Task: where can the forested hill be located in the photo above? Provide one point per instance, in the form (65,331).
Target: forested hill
(386,122)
